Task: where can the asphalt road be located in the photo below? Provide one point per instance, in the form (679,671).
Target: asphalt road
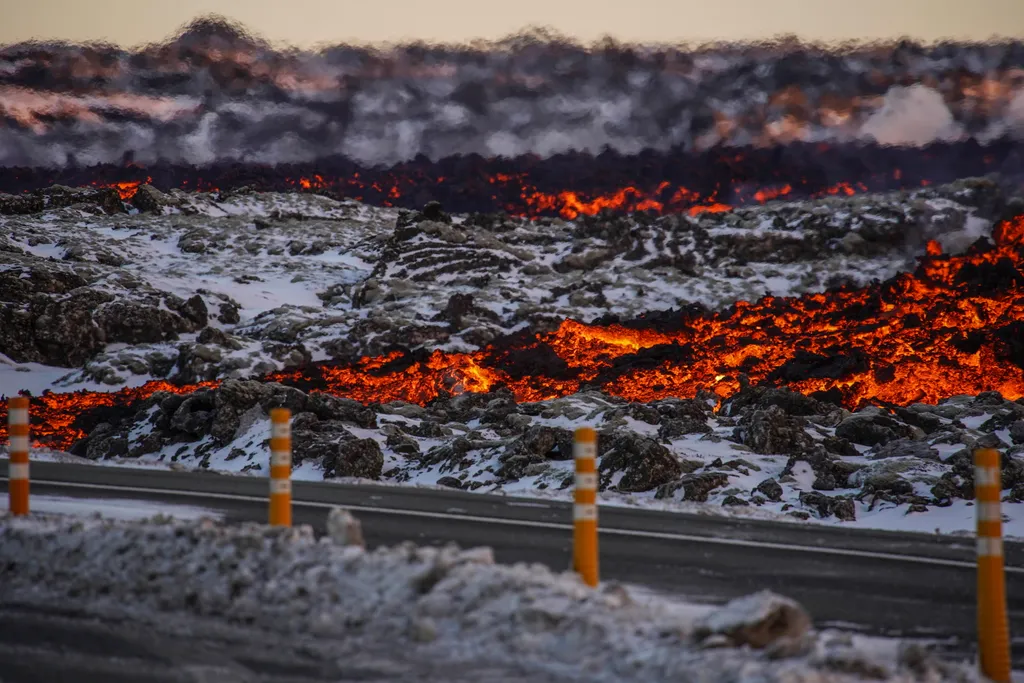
(882,582)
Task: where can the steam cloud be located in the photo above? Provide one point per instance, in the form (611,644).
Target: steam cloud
(216,93)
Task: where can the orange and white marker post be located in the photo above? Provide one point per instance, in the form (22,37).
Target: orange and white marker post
(18,445)
(585,507)
(993,627)
(280,467)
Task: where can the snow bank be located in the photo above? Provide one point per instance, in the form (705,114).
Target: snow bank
(445,602)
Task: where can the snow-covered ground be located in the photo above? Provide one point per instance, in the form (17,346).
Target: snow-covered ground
(913,482)
(443,604)
(112,508)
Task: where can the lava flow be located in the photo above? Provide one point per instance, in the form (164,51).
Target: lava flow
(572,184)
(954,326)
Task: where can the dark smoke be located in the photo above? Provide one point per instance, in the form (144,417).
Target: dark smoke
(216,93)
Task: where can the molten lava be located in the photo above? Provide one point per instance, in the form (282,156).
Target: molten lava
(955,326)
(573,184)
(126,189)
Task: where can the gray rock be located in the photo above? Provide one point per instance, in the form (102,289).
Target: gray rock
(356,458)
(760,398)
(844,509)
(328,407)
(889,482)
(695,487)
(553,443)
(195,415)
(826,506)
(758,621)
(644,462)
(403,444)
(872,430)
(825,481)
(842,470)
(771,489)
(675,427)
(148,199)
(771,431)
(906,448)
(241,394)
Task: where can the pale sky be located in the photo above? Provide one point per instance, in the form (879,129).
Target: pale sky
(305,23)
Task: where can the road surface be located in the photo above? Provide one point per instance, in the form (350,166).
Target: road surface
(885,583)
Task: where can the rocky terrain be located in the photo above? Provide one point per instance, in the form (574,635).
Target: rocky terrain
(765,452)
(190,287)
(194,287)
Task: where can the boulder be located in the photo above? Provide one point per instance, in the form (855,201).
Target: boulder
(889,482)
(132,323)
(644,463)
(826,506)
(771,431)
(1017,432)
(905,448)
(872,430)
(344,529)
(356,458)
(695,487)
(771,489)
(672,428)
(752,398)
(148,199)
(756,621)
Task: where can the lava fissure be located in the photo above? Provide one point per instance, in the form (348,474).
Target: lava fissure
(954,326)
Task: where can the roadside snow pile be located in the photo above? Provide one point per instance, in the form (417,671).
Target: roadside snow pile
(446,602)
(765,452)
(193,287)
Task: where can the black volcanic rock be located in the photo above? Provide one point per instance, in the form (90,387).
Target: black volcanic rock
(644,462)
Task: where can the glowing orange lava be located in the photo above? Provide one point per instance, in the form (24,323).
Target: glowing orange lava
(955,326)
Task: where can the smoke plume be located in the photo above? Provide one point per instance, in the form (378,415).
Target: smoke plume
(216,93)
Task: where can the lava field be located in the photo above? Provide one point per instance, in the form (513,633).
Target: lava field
(829,266)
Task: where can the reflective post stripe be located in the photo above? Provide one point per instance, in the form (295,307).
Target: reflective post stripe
(18,445)
(280,467)
(585,506)
(993,625)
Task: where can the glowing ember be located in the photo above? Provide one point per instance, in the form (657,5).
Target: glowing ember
(955,326)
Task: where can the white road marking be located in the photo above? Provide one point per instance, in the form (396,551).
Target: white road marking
(635,533)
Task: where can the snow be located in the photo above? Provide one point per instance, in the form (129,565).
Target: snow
(448,604)
(112,508)
(36,378)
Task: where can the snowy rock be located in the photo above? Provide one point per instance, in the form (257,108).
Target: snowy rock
(354,458)
(695,487)
(771,489)
(872,430)
(1017,432)
(644,463)
(771,430)
(757,620)
(344,529)
(906,448)
(148,199)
